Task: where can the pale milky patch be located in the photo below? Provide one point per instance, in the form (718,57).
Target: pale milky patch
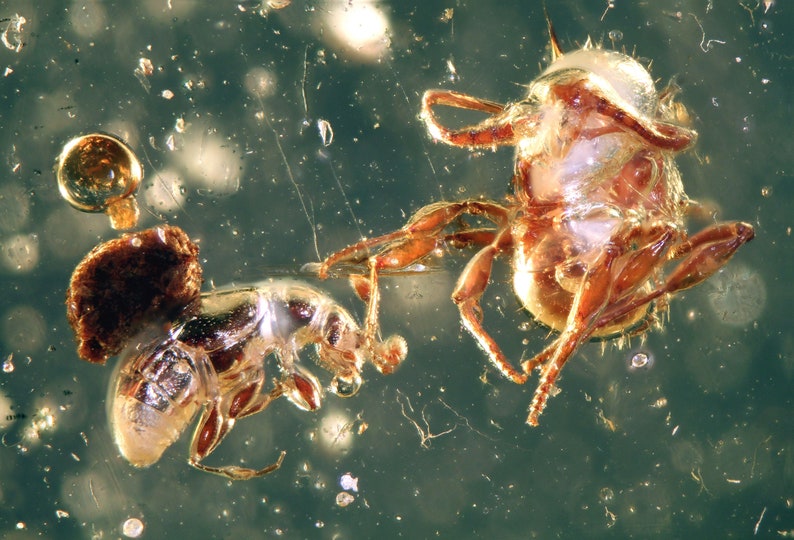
(88,18)
(211,162)
(361,29)
(165,193)
(20,253)
(24,328)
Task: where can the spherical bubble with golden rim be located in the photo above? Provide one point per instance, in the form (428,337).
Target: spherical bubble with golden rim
(100,173)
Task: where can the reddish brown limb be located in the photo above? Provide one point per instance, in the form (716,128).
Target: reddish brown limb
(493,131)
(540,359)
(637,266)
(585,95)
(641,264)
(618,272)
(469,290)
(402,248)
(418,238)
(470,237)
(703,254)
(589,301)
(459,101)
(362,286)
(603,298)
(706,252)
(216,422)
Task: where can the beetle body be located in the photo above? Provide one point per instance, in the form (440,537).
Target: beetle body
(596,213)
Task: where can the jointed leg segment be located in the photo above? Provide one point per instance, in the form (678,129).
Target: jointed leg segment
(418,239)
(603,299)
(216,422)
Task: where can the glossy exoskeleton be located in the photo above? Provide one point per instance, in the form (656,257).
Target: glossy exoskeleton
(596,213)
(212,361)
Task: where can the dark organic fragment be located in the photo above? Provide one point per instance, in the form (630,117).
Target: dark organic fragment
(125,283)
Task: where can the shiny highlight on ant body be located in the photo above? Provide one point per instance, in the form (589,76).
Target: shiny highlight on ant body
(212,360)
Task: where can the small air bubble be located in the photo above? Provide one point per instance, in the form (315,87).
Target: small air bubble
(8,365)
(343,498)
(132,528)
(349,482)
(640,360)
(326,132)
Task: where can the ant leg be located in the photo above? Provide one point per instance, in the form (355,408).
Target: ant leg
(371,321)
(234,472)
(215,425)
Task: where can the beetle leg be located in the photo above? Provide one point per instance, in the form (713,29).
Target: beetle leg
(702,255)
(636,268)
(470,237)
(216,422)
(403,254)
(495,130)
(588,303)
(469,290)
(428,222)
(539,359)
(450,98)
(415,241)
(583,95)
(603,298)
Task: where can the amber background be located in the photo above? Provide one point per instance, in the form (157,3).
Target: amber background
(708,464)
